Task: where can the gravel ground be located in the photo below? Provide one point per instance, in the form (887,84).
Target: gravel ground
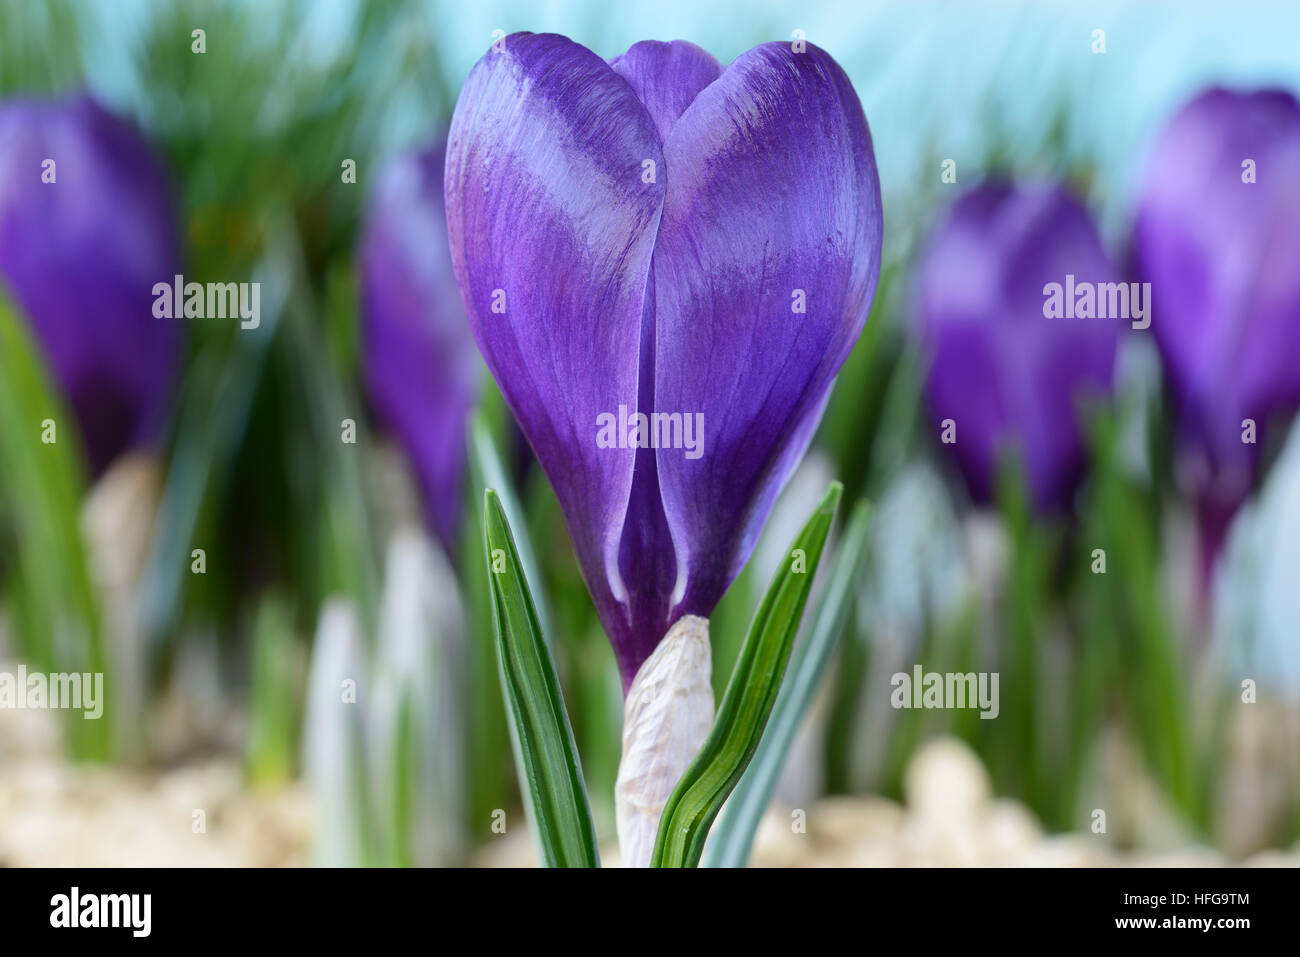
(56,814)
(950,818)
(53,813)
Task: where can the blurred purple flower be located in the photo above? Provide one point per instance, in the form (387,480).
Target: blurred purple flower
(643,235)
(419,360)
(1218,237)
(1006,375)
(86,230)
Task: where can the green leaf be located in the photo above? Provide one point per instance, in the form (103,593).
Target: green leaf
(549,770)
(748,701)
(734,835)
(488,472)
(214,405)
(1153,674)
(487,784)
(41,487)
(274,700)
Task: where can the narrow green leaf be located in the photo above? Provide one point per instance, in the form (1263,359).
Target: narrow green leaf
(489,777)
(734,835)
(1153,677)
(549,770)
(41,486)
(748,701)
(1024,760)
(488,782)
(214,405)
(489,473)
(274,701)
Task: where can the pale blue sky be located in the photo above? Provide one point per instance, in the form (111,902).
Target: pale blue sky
(948,79)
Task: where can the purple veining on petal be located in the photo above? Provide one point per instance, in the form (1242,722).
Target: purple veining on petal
(81,256)
(666,77)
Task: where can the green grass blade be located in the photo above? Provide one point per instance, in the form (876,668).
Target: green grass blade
(57,621)
(550,773)
(734,835)
(748,701)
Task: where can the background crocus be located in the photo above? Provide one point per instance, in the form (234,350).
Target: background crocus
(1218,237)
(1001,371)
(643,234)
(419,360)
(86,230)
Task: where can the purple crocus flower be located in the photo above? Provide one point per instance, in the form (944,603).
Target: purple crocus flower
(86,230)
(1000,370)
(419,360)
(1218,237)
(659,235)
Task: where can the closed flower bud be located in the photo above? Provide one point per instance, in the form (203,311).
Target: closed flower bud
(86,231)
(1004,375)
(418,357)
(1217,234)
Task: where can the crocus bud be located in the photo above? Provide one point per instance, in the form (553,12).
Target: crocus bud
(666,717)
(665,263)
(1005,369)
(419,359)
(1218,237)
(86,231)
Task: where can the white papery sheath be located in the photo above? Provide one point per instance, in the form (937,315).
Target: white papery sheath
(666,717)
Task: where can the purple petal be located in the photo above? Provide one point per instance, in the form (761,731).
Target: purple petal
(1001,371)
(766,184)
(420,363)
(81,256)
(546,202)
(666,77)
(1221,256)
(773,194)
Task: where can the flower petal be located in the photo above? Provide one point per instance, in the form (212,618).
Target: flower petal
(81,255)
(773,202)
(666,77)
(1000,370)
(1219,249)
(420,362)
(552,222)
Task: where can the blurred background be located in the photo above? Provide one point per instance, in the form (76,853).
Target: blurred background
(241,527)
